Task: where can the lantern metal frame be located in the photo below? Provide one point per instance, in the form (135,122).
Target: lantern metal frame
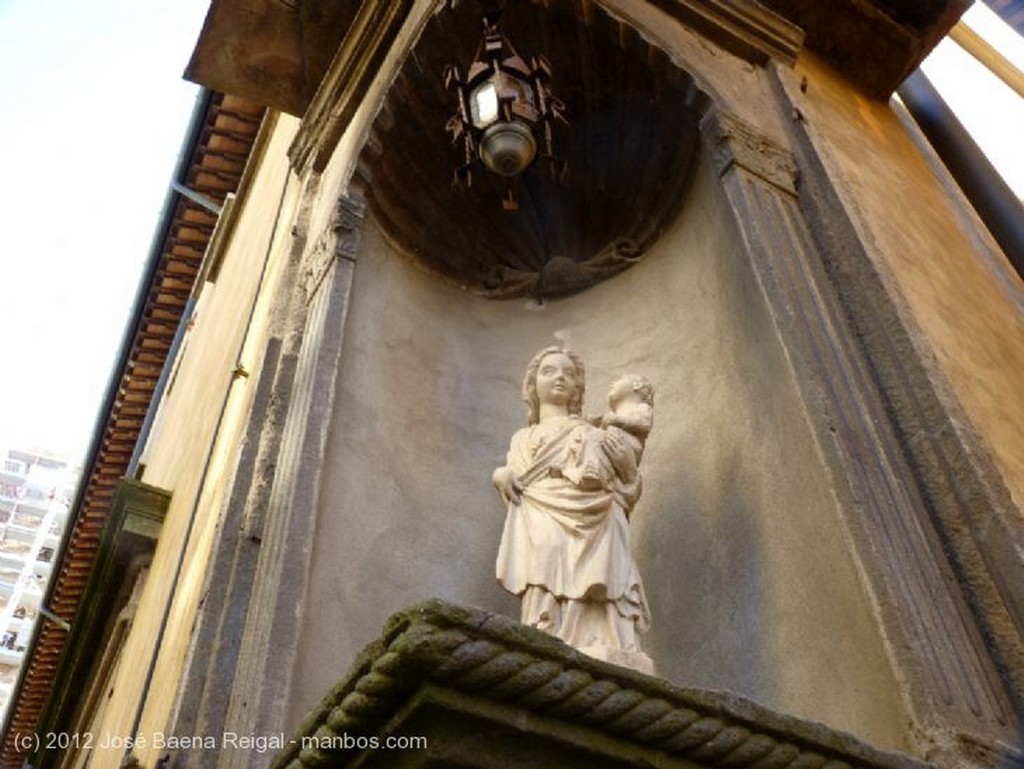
(521,111)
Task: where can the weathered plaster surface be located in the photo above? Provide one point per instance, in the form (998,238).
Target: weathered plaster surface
(737,534)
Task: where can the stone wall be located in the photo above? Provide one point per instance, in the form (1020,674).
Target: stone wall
(737,534)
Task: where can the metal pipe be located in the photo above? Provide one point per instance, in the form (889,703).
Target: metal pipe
(997,205)
(161,386)
(988,56)
(196,197)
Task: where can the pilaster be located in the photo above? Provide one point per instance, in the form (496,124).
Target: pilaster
(953,688)
(240,665)
(266,659)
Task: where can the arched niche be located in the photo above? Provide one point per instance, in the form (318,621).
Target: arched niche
(630,145)
(733,311)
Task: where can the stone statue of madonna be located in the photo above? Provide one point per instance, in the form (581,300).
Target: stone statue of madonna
(570,486)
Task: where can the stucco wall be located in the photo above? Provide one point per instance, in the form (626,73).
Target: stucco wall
(737,534)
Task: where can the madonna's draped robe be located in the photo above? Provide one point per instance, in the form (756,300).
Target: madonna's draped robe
(566,544)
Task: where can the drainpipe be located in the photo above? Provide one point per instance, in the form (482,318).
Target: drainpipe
(997,205)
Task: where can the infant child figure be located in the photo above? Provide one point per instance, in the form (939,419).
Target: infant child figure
(625,425)
(630,411)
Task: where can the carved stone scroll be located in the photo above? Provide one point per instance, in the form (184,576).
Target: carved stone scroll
(340,240)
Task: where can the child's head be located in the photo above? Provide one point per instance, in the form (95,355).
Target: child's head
(630,386)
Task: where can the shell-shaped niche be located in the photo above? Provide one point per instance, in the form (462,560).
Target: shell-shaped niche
(630,146)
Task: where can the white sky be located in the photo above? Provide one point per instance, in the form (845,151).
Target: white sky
(92,114)
(988,108)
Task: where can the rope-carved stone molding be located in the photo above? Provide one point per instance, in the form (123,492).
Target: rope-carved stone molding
(498,660)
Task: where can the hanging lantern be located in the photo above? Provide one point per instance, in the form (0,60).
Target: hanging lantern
(506,111)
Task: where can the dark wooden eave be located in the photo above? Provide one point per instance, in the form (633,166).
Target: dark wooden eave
(270,52)
(277,53)
(875,43)
(213,161)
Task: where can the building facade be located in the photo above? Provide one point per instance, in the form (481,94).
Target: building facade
(36,490)
(831,524)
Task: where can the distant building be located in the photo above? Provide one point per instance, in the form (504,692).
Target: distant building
(35,495)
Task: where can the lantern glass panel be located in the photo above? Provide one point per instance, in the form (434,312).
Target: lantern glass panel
(484,104)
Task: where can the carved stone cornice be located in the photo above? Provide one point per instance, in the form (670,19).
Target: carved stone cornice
(523,684)
(129,539)
(347,81)
(743,27)
(339,240)
(734,142)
